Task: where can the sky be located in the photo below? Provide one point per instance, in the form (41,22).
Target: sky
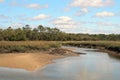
(71,16)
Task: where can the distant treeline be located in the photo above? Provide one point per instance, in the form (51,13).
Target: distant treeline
(50,34)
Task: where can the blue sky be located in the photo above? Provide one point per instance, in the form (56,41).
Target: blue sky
(73,16)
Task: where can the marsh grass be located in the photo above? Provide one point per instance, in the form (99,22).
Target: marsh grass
(25,46)
(110,45)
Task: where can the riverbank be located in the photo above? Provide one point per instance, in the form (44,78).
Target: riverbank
(33,61)
(111,47)
(111,53)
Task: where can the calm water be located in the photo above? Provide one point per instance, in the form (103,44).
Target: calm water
(92,66)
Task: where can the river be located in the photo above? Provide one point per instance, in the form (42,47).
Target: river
(93,65)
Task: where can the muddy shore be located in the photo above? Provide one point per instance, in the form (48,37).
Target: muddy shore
(33,61)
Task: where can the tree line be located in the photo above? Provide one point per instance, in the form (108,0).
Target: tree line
(50,34)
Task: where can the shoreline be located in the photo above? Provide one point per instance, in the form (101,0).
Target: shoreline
(33,61)
(102,49)
(111,53)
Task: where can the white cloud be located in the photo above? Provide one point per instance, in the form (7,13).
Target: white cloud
(4,17)
(102,23)
(40,17)
(20,25)
(85,4)
(66,9)
(97,28)
(22,17)
(82,12)
(85,10)
(31,6)
(91,3)
(65,22)
(104,14)
(109,24)
(34,18)
(104,31)
(37,6)
(65,18)
(2,1)
(17,25)
(14,3)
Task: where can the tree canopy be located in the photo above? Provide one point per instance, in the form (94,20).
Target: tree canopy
(50,34)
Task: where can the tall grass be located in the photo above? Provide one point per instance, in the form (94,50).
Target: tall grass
(27,46)
(24,46)
(110,45)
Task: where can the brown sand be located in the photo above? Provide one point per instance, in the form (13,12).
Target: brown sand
(28,61)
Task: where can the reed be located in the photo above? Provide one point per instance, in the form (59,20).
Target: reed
(109,45)
(25,46)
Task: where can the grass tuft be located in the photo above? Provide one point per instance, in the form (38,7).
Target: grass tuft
(26,46)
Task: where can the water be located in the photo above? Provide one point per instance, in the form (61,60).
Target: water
(92,66)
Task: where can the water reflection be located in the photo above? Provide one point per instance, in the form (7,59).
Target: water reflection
(92,66)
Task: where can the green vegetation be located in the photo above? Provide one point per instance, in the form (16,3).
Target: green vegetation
(28,39)
(109,45)
(50,34)
(26,46)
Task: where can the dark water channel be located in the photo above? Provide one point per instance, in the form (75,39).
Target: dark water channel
(93,65)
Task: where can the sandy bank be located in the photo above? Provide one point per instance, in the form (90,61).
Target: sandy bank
(32,61)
